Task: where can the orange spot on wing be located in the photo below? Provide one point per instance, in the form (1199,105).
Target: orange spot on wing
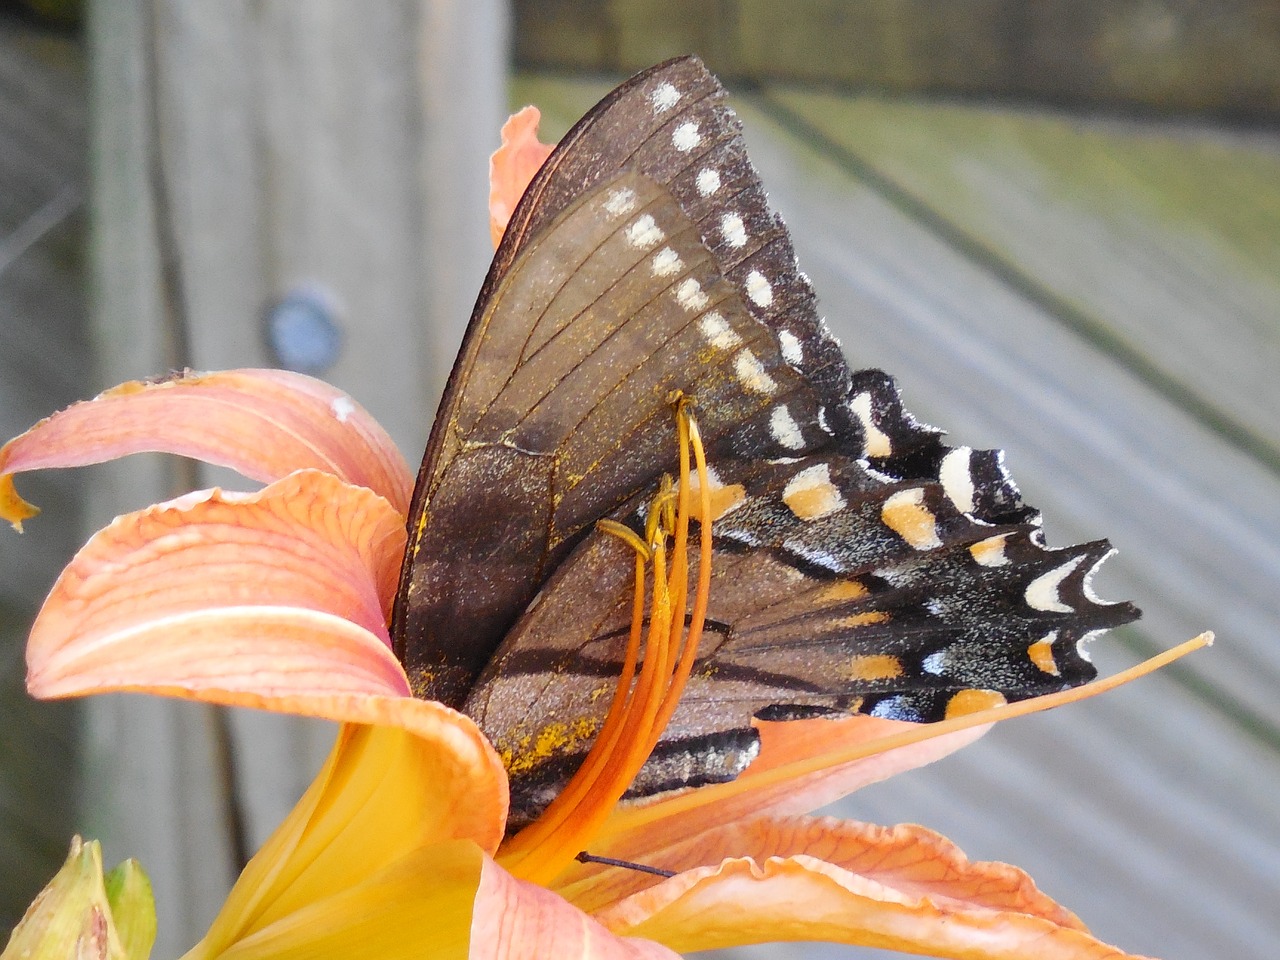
(1041,654)
(971,701)
(865,619)
(845,590)
(874,666)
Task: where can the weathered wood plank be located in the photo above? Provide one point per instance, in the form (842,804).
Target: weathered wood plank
(254,149)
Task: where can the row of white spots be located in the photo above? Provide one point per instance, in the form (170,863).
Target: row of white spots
(666,262)
(645,233)
(686,136)
(689,295)
(752,374)
(876,440)
(784,428)
(1042,592)
(957,478)
(792,352)
(758,289)
(717,331)
(664,97)
(708,181)
(733,230)
(620,202)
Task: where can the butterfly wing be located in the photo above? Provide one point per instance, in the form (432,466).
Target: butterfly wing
(643,259)
(834,591)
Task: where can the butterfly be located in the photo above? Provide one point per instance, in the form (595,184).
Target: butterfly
(859,563)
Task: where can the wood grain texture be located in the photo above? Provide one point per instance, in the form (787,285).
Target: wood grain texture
(1149,812)
(245,150)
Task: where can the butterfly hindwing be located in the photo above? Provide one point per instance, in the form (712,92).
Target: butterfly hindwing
(834,591)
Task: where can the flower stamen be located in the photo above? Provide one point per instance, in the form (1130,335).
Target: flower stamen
(644,704)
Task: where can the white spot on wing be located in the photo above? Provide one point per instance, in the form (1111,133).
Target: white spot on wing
(620,202)
(708,181)
(758,289)
(686,136)
(752,375)
(644,233)
(1086,585)
(690,296)
(792,352)
(717,331)
(785,429)
(1083,643)
(877,441)
(957,478)
(733,230)
(666,262)
(934,663)
(1042,592)
(664,97)
(343,408)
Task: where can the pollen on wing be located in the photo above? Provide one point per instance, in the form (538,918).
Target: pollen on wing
(555,739)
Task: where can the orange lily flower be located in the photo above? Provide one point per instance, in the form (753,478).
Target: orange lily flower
(279,600)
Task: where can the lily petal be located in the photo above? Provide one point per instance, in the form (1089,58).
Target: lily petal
(517,920)
(642,825)
(901,888)
(263,423)
(385,851)
(244,598)
(512,166)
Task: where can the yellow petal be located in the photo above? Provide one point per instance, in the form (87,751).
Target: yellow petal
(385,795)
(741,901)
(270,594)
(512,166)
(263,423)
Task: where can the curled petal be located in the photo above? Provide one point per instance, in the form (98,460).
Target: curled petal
(244,598)
(910,859)
(802,897)
(512,166)
(263,423)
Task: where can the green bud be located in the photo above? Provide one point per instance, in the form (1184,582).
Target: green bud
(73,918)
(133,907)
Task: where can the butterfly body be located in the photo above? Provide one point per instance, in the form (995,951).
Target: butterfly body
(859,563)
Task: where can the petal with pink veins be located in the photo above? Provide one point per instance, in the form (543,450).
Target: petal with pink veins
(259,595)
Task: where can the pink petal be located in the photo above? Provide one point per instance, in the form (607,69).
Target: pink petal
(516,920)
(803,898)
(263,423)
(512,166)
(231,597)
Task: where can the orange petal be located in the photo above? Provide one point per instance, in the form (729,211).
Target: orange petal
(908,858)
(239,598)
(515,920)
(512,166)
(263,423)
(801,897)
(681,815)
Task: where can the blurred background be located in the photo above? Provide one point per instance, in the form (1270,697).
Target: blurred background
(1057,223)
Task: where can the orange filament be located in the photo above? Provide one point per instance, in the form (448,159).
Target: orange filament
(642,705)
